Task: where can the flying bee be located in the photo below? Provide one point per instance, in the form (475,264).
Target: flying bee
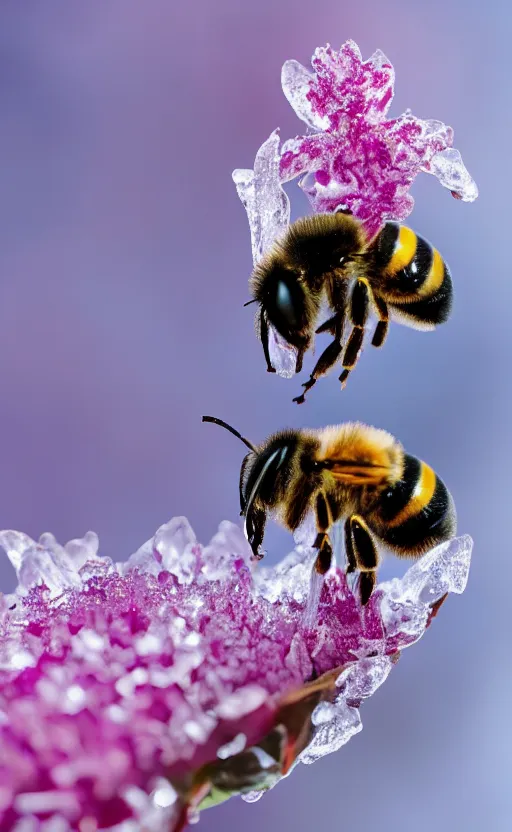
(349,472)
(397,275)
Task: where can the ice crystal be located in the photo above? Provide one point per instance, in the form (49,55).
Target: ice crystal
(142,692)
(266,203)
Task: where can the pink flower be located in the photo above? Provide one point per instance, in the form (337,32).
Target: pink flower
(358,159)
(147,690)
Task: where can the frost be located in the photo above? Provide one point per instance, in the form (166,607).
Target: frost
(181,677)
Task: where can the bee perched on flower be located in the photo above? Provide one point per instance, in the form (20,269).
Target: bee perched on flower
(349,472)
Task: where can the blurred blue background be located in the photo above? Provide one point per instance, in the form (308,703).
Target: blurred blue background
(124,258)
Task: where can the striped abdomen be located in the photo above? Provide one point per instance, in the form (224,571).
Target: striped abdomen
(412,276)
(417,512)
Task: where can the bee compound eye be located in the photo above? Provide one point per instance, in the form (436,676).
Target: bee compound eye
(288,302)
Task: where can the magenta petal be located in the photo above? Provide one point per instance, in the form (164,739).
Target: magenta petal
(343,87)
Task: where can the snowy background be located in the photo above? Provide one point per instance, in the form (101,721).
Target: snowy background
(124,257)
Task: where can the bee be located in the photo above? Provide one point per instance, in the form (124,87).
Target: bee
(349,472)
(327,257)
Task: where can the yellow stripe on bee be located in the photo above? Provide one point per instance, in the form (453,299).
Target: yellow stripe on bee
(420,498)
(435,276)
(404,251)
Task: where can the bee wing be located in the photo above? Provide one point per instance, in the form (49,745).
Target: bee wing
(355,471)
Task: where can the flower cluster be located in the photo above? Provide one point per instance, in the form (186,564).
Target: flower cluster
(135,694)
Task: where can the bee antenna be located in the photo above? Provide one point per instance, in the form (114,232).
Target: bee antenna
(225,425)
(254,300)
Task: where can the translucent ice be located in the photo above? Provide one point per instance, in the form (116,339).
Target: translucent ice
(265,201)
(283,356)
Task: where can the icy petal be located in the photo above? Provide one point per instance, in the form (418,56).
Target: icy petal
(145,559)
(336,725)
(83,549)
(38,567)
(15,544)
(296,82)
(176,543)
(406,602)
(228,544)
(449,168)
(266,203)
(444,569)
(346,87)
(363,678)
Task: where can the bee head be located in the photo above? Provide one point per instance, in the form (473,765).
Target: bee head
(284,302)
(264,475)
(265,472)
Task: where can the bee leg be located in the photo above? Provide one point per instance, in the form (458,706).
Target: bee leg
(381,330)
(264,341)
(365,555)
(351,354)
(328,358)
(328,326)
(300,359)
(322,542)
(367,581)
(255,530)
(359,307)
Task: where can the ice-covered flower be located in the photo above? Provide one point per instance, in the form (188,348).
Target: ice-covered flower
(359,159)
(133,695)
(355,157)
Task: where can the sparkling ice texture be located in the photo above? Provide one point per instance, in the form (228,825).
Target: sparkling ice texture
(133,694)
